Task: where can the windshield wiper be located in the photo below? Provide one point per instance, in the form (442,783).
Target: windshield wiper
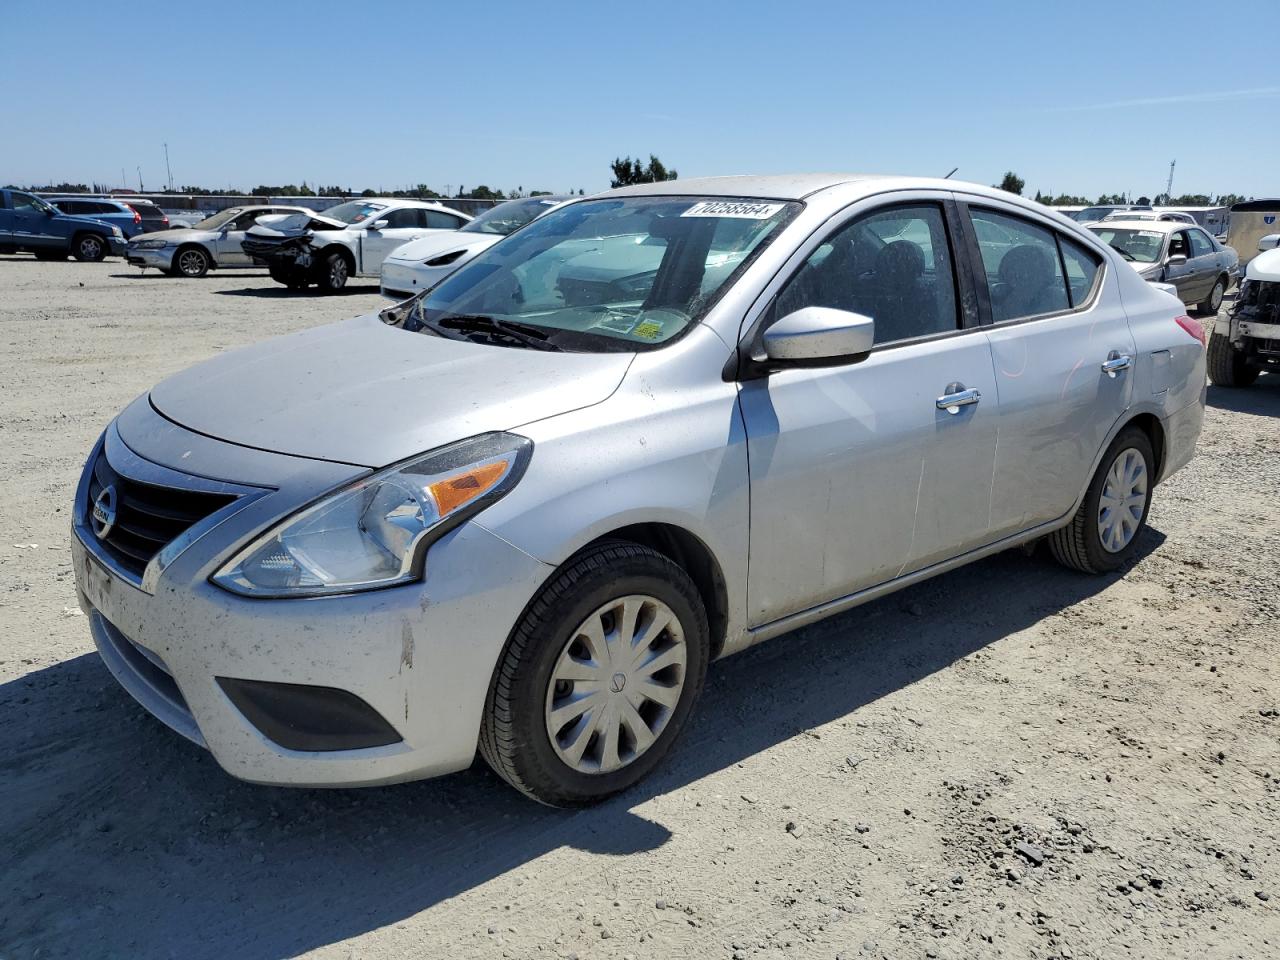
(1123,252)
(524,333)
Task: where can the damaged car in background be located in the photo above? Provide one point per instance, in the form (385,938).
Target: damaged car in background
(213,243)
(1246,341)
(351,239)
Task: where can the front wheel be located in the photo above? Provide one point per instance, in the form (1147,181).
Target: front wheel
(1227,365)
(334,271)
(598,677)
(89,247)
(1213,302)
(191,262)
(1103,534)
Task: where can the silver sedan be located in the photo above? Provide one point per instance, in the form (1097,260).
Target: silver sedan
(524,511)
(213,243)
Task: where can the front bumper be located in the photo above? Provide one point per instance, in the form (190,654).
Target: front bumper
(161,259)
(117,246)
(421,656)
(402,279)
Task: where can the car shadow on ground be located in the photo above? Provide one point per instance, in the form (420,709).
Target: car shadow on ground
(283,292)
(1261,398)
(123,839)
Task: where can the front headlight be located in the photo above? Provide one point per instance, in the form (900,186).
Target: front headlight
(150,244)
(375,533)
(116,232)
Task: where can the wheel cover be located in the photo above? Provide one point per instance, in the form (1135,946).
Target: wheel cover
(1123,500)
(191,262)
(337,272)
(90,247)
(616,684)
(1215,298)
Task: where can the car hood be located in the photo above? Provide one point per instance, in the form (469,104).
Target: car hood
(292,225)
(179,235)
(1265,267)
(365,393)
(437,245)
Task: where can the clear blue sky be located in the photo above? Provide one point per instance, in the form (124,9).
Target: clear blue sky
(1080,96)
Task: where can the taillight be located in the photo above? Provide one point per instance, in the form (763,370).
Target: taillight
(1193,327)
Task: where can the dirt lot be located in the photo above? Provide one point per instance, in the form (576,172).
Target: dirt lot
(1012,760)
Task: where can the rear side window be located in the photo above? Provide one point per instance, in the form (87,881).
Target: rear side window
(1200,245)
(1082,269)
(436,220)
(1024,274)
(893,265)
(69,206)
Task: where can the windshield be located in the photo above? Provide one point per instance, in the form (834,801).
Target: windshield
(218,219)
(1142,246)
(353,211)
(510,216)
(620,274)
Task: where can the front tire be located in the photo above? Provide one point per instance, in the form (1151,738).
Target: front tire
(1227,366)
(1103,534)
(598,677)
(89,247)
(334,271)
(1213,303)
(191,262)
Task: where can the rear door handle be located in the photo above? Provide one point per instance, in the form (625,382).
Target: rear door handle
(1115,363)
(957,396)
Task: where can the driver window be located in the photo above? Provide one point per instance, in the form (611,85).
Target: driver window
(1178,244)
(24,202)
(246,220)
(893,265)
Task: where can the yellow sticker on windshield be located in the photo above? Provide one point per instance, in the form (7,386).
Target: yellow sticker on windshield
(648,330)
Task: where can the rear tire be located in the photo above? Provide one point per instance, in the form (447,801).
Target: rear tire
(1213,303)
(1108,508)
(1227,367)
(89,247)
(333,273)
(558,636)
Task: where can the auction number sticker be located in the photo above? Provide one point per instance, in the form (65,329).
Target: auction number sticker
(733,208)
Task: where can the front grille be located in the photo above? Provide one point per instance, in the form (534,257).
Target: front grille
(148,517)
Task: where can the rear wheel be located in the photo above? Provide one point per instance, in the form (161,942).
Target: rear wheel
(598,677)
(334,271)
(90,247)
(191,262)
(1227,366)
(1103,534)
(1213,302)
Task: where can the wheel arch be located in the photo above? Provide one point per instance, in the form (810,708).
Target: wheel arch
(1150,424)
(341,248)
(193,245)
(691,554)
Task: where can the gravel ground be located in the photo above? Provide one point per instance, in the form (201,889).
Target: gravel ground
(1011,760)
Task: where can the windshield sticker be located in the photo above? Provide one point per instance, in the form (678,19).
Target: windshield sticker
(648,330)
(1150,234)
(616,324)
(733,208)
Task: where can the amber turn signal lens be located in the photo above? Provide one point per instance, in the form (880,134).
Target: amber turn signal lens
(459,490)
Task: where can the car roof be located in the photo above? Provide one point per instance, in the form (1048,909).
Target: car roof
(1161,226)
(782,186)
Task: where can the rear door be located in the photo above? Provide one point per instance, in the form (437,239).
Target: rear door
(857,474)
(1054,319)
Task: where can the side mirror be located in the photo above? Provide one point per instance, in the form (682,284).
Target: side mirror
(1177,260)
(819,337)
(379,225)
(1269,242)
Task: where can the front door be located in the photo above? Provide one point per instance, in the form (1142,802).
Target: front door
(227,247)
(1182,275)
(31,223)
(403,225)
(857,473)
(1050,337)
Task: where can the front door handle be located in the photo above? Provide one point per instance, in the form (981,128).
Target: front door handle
(1115,363)
(957,396)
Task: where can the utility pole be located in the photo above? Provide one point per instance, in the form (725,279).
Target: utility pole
(1168,187)
(139,178)
(124,183)
(166,167)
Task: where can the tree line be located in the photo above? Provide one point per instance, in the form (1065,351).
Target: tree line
(1012,183)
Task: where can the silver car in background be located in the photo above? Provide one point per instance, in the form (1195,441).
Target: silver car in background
(1186,257)
(525,510)
(213,243)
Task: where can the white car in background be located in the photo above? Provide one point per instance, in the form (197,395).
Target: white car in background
(423,263)
(351,239)
(213,243)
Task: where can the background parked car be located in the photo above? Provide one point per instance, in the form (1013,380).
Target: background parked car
(29,223)
(1246,340)
(352,238)
(132,217)
(214,243)
(1094,213)
(1164,216)
(1199,267)
(422,263)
